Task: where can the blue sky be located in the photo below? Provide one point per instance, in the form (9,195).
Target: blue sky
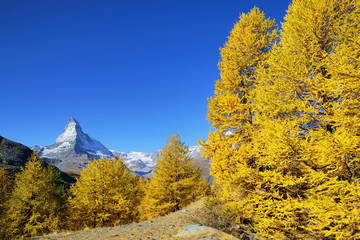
(131,72)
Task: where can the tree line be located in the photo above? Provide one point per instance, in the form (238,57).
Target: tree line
(286,123)
(107,193)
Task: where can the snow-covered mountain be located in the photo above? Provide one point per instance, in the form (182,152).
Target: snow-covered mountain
(73,136)
(73,149)
(73,139)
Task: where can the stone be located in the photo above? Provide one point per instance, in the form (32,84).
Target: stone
(197,230)
(188,227)
(212,238)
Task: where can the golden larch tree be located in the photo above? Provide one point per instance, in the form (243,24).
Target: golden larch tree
(34,206)
(318,66)
(175,183)
(104,195)
(291,170)
(232,144)
(5,191)
(307,99)
(307,142)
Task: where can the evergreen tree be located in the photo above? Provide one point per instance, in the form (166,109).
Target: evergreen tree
(33,207)
(104,195)
(59,194)
(175,183)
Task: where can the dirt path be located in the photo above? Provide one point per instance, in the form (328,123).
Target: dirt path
(165,227)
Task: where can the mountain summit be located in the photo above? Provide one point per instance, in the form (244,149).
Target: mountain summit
(71,130)
(74,138)
(73,149)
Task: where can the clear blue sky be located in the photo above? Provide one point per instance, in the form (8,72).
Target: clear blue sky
(131,72)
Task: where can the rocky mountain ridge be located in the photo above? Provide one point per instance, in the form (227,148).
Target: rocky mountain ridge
(13,155)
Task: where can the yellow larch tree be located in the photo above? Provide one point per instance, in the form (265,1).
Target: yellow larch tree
(4,188)
(291,170)
(104,195)
(34,206)
(307,104)
(5,191)
(232,113)
(175,183)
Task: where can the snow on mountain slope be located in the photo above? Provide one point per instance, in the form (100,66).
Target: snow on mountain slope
(73,139)
(74,134)
(194,151)
(141,163)
(74,149)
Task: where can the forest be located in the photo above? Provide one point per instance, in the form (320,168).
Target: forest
(36,201)
(284,145)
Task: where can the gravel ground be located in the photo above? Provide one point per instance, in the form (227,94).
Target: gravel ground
(165,227)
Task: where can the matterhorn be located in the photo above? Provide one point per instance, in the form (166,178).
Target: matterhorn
(73,149)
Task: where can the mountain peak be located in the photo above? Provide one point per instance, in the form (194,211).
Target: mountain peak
(74,138)
(73,148)
(73,120)
(71,131)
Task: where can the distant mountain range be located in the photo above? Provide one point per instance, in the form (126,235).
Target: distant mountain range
(73,149)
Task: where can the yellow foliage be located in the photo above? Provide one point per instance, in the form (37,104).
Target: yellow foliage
(35,206)
(175,183)
(308,101)
(286,142)
(104,195)
(247,46)
(5,184)
(5,190)
(232,113)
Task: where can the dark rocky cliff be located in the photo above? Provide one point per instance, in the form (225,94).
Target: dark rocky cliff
(14,155)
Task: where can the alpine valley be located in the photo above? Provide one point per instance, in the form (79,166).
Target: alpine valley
(73,149)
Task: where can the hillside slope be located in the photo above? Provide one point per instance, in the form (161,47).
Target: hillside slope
(14,155)
(165,227)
